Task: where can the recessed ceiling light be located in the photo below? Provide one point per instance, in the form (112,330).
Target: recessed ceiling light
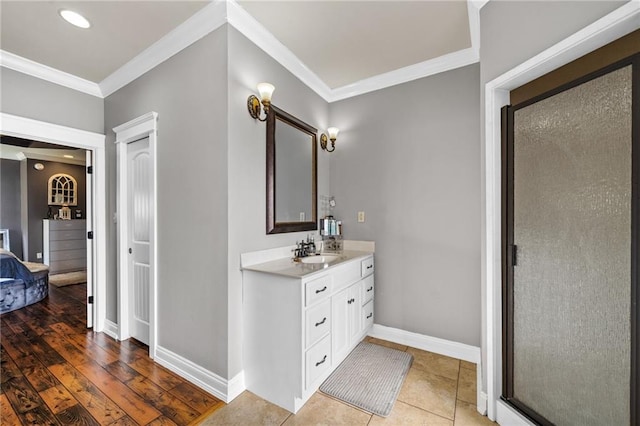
(68,156)
(74,18)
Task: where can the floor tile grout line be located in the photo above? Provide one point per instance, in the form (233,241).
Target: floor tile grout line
(426,411)
(436,374)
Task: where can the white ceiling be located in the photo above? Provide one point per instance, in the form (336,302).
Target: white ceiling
(347,41)
(11,152)
(120,31)
(334,44)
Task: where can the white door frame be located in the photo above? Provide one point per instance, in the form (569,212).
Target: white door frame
(131,131)
(618,23)
(27,128)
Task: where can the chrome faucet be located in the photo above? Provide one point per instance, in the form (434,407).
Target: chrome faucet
(305,248)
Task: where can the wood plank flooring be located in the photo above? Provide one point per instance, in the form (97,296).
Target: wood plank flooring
(57,372)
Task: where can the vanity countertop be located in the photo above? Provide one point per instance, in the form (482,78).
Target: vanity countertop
(287,267)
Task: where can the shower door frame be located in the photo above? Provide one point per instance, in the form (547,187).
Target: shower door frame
(507,116)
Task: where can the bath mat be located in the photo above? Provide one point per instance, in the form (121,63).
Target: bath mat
(369,378)
(60,280)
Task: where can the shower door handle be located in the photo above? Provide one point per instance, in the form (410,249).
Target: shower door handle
(514,255)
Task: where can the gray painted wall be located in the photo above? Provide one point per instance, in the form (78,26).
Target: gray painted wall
(510,34)
(10,203)
(37,188)
(32,97)
(248,66)
(409,157)
(189,93)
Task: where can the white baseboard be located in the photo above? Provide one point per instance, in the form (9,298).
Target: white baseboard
(427,343)
(235,386)
(482,403)
(481,399)
(438,346)
(223,389)
(111,329)
(507,416)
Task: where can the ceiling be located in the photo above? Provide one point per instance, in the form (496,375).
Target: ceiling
(13,148)
(338,43)
(347,41)
(34,30)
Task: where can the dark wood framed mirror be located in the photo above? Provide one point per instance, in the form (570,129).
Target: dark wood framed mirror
(292,184)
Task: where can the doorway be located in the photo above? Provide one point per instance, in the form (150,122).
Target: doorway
(25,128)
(570,264)
(611,27)
(136,151)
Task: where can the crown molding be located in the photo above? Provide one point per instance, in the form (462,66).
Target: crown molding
(219,12)
(473,12)
(246,24)
(205,21)
(443,63)
(52,75)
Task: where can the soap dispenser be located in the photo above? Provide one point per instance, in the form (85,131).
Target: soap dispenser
(312,246)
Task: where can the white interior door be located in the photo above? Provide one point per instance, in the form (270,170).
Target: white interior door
(89,221)
(139,219)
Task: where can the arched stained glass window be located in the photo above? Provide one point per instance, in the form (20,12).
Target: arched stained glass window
(63,190)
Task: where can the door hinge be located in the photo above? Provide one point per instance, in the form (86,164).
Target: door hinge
(90,235)
(90,170)
(514,255)
(90,299)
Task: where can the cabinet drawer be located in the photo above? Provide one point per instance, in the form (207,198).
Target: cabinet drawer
(317,361)
(366,267)
(67,255)
(67,245)
(318,322)
(367,289)
(67,265)
(72,234)
(367,314)
(317,289)
(63,225)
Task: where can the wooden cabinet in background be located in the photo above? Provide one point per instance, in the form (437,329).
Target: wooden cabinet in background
(65,245)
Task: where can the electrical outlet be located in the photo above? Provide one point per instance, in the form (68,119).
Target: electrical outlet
(301,216)
(38,255)
(360,217)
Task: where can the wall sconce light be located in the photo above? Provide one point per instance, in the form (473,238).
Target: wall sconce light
(253,104)
(333,135)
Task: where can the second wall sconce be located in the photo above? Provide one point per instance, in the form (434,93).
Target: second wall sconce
(333,135)
(253,104)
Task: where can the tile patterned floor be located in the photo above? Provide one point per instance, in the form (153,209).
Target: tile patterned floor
(437,391)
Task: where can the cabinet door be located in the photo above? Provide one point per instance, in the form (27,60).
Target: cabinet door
(355,312)
(340,326)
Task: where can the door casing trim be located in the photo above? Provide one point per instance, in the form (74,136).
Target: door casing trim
(27,128)
(607,29)
(131,131)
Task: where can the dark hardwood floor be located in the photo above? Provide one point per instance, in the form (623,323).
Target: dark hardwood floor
(57,372)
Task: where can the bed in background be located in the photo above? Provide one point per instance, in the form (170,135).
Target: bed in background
(21,283)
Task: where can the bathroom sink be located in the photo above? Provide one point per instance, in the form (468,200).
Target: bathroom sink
(323,258)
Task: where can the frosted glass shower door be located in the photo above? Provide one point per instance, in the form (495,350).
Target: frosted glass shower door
(571,285)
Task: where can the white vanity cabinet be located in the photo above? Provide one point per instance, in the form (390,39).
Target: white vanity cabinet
(297,330)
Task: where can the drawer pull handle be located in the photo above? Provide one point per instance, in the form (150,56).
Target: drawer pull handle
(321,290)
(350,301)
(321,322)
(321,362)
(370,266)
(370,288)
(370,315)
